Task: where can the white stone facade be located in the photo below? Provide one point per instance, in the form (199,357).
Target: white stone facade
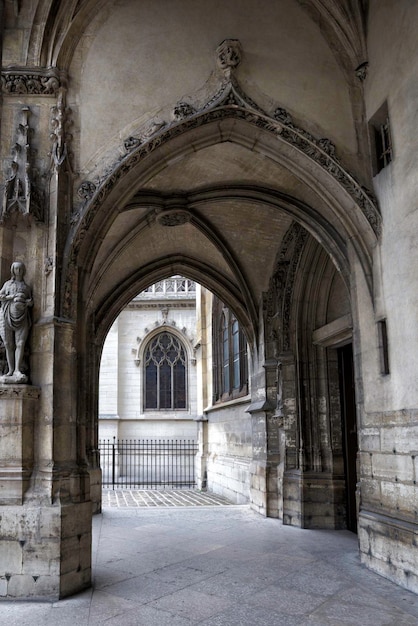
(122,412)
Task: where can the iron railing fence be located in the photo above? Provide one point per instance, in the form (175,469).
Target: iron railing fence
(148,463)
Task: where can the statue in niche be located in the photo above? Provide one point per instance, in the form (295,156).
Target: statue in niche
(16,300)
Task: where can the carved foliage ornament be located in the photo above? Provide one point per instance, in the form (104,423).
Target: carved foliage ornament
(35,82)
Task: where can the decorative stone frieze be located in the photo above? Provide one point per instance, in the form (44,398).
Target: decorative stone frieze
(37,82)
(21,193)
(131,143)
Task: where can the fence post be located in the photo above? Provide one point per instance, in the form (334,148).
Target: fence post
(113,462)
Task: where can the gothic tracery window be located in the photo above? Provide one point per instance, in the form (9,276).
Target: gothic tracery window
(165,373)
(230,355)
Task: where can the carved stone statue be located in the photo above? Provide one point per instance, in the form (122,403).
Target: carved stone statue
(15,322)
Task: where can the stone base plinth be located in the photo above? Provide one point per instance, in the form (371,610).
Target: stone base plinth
(95,476)
(389,547)
(258,486)
(45,551)
(18,410)
(312,500)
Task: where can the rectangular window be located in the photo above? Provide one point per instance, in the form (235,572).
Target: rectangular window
(383,347)
(235,355)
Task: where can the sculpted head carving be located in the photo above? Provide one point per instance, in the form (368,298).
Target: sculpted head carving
(229,54)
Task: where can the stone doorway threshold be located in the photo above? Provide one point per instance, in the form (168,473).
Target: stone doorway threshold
(134,498)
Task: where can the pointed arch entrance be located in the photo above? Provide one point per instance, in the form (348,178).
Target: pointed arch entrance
(149,220)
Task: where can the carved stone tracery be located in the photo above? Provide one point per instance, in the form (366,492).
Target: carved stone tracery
(60,123)
(278,299)
(21,192)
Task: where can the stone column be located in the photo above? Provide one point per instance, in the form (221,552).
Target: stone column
(264,464)
(45,543)
(202,452)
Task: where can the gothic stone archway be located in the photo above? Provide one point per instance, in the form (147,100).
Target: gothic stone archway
(145,218)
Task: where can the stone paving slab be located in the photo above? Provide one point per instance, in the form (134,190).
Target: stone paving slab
(220,566)
(133,498)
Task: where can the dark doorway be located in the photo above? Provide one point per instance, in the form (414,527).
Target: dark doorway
(349,430)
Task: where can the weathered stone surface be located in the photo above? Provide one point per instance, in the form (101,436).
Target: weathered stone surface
(39,544)
(18,415)
(249,170)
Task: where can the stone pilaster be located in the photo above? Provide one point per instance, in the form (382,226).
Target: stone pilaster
(202,453)
(45,541)
(18,412)
(264,464)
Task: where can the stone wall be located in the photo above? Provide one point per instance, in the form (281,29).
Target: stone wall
(388,498)
(229,452)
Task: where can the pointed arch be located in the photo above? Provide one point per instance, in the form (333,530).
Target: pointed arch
(347,211)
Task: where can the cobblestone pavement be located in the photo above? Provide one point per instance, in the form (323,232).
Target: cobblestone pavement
(127,498)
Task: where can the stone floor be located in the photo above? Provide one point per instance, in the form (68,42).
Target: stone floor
(220,566)
(125,498)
